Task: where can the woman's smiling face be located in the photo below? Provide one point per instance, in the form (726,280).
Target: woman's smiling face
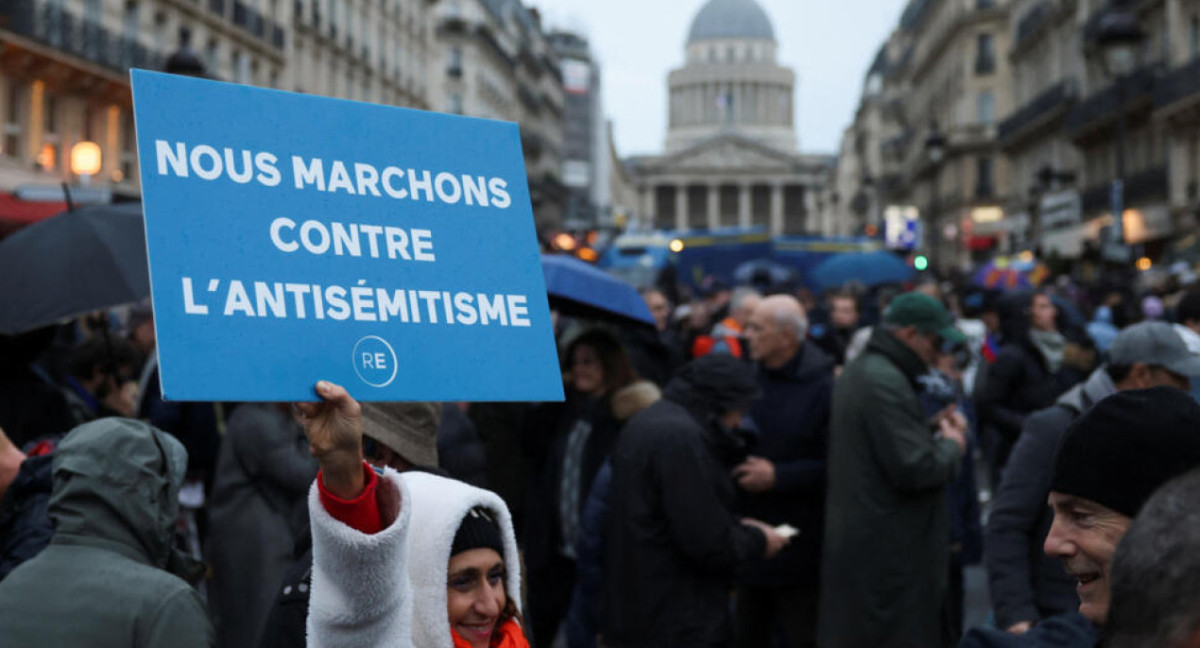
(475,594)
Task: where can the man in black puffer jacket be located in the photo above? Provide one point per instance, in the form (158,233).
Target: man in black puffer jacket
(673,546)
(783,481)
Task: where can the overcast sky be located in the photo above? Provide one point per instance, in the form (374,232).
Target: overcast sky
(829,43)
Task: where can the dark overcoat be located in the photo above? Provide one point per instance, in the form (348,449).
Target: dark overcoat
(886,553)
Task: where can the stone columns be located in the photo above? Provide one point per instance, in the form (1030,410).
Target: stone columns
(650,206)
(810,212)
(714,206)
(776,208)
(1176,54)
(681,207)
(744,218)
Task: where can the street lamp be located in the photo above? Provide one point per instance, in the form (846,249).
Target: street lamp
(185,61)
(1119,37)
(935,148)
(85,161)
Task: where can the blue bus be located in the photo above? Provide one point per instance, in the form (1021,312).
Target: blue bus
(640,258)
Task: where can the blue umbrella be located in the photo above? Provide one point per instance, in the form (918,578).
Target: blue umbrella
(578,289)
(867,268)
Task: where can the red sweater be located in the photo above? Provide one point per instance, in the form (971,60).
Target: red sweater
(360,513)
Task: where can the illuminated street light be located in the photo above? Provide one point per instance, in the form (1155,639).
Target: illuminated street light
(85,160)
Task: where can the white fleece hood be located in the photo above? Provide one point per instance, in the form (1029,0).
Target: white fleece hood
(389,589)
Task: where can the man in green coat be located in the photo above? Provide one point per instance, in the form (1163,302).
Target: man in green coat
(104,580)
(886,554)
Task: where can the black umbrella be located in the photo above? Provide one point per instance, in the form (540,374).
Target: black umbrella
(764,275)
(72,263)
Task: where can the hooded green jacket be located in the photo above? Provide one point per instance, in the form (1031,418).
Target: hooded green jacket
(886,556)
(104,579)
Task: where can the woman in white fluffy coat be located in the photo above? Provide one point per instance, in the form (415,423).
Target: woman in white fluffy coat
(403,561)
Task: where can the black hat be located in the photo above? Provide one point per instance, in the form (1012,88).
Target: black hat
(1127,446)
(724,382)
(477,531)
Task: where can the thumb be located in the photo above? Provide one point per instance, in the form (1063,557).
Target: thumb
(337,396)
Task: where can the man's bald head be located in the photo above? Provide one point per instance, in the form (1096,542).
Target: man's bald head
(777,330)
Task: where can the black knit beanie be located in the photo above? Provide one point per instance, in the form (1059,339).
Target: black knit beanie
(477,531)
(1127,446)
(719,381)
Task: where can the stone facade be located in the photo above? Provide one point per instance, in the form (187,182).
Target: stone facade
(730,157)
(366,50)
(1042,123)
(64,75)
(585,139)
(944,69)
(491,59)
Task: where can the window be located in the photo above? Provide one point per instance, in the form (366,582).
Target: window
(456,104)
(50,114)
(454,66)
(160,32)
(12,120)
(983,179)
(131,19)
(1195,38)
(212,55)
(985,56)
(128,147)
(241,67)
(985,108)
(89,119)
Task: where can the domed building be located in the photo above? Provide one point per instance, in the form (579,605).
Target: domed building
(730,156)
(731,81)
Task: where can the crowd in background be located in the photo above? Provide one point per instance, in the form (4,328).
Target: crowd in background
(764,467)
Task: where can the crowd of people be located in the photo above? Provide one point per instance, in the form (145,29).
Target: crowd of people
(765,467)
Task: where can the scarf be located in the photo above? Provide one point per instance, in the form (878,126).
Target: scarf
(1051,344)
(508,635)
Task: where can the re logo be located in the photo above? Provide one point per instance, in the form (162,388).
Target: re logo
(374,361)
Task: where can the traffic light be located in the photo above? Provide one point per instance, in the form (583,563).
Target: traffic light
(921,262)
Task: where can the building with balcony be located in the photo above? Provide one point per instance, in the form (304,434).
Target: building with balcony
(1092,124)
(1048,73)
(378,51)
(492,59)
(852,201)
(731,157)
(64,78)
(1177,109)
(947,74)
(586,163)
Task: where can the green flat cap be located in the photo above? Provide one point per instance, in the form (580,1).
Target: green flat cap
(926,314)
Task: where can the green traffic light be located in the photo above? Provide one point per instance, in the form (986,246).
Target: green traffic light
(921,263)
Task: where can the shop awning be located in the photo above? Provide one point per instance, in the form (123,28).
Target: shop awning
(15,212)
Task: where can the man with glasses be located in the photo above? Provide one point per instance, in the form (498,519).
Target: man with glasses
(886,555)
(1026,585)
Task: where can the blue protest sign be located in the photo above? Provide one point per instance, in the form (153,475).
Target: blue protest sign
(293,238)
